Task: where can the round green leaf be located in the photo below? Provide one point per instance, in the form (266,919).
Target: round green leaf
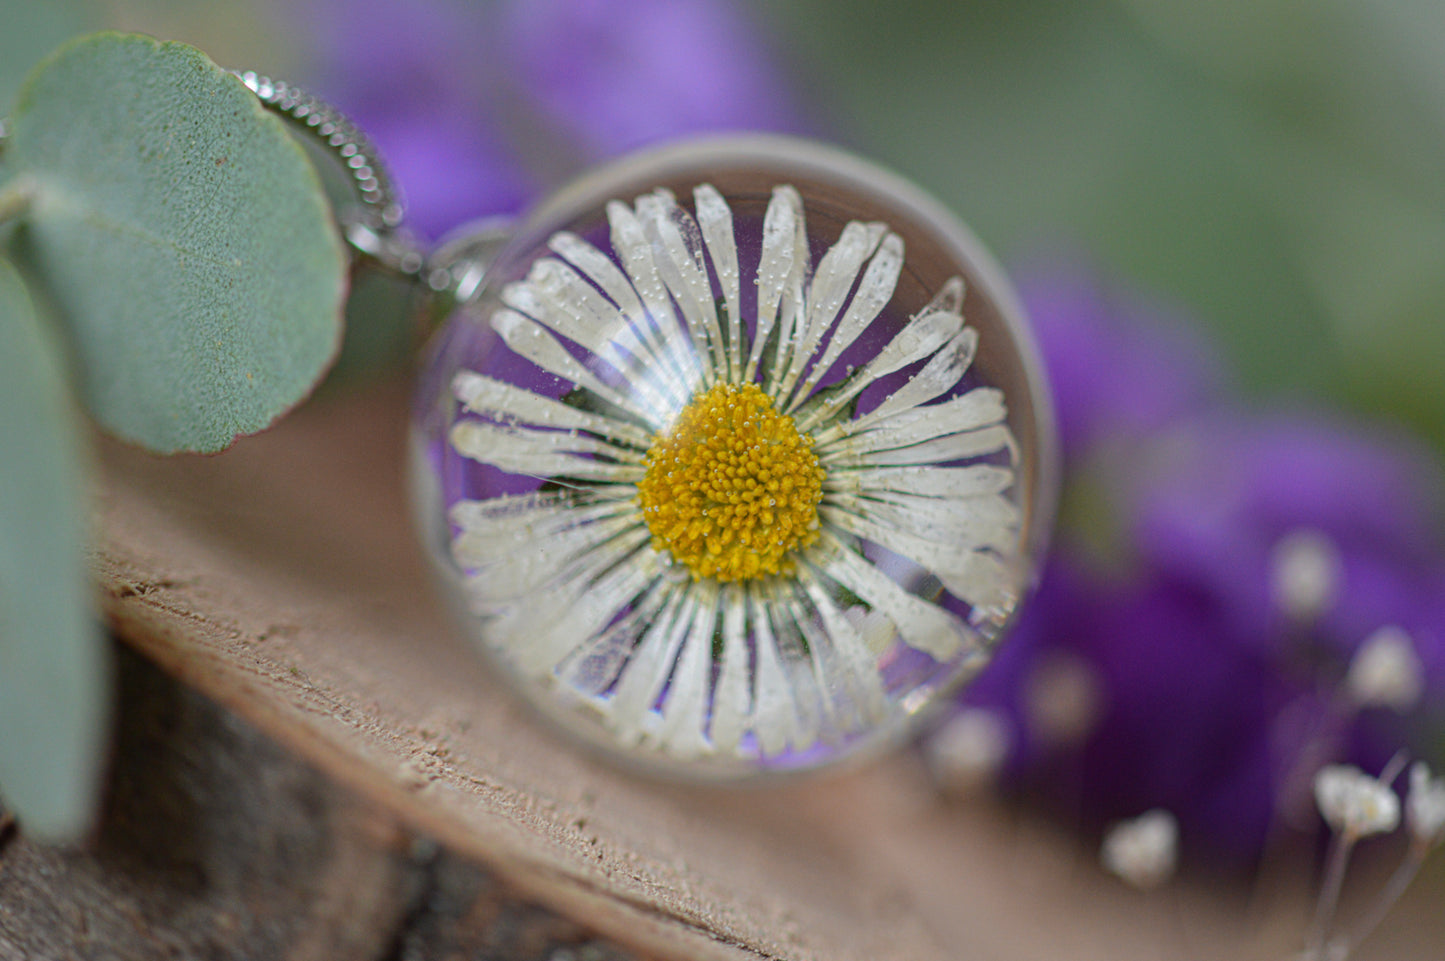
(53,665)
(183,236)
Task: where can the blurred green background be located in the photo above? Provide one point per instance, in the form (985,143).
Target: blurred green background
(1275,166)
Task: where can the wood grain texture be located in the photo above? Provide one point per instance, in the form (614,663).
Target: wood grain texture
(282,578)
(217,843)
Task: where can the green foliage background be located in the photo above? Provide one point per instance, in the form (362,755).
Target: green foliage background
(1276,166)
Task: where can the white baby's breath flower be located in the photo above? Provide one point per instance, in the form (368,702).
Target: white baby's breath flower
(968,750)
(1305,574)
(750,495)
(1425,805)
(1386,671)
(1143,851)
(1355,804)
(1063,698)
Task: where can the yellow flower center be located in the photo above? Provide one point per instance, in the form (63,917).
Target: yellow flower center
(733,487)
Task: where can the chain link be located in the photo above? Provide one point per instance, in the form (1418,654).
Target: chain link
(374,228)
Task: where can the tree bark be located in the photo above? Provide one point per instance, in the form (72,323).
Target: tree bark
(217,843)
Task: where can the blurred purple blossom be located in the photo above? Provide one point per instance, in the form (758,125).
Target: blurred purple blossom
(1207,698)
(617,74)
(1090,334)
(477,108)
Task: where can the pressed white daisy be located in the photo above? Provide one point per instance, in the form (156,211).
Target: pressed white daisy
(747,503)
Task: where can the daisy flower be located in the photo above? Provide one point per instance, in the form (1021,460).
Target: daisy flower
(766,506)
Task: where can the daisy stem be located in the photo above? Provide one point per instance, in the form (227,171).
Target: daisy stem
(1339,859)
(15,198)
(1393,890)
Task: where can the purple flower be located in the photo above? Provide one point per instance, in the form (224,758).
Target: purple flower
(421,80)
(477,108)
(1118,364)
(1205,696)
(616,74)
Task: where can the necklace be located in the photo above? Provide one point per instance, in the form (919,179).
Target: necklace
(734,455)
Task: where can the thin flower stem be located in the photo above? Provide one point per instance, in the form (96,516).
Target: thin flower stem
(1393,890)
(1394,767)
(15,198)
(1339,859)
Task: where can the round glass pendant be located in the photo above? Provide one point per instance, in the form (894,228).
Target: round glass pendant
(736,458)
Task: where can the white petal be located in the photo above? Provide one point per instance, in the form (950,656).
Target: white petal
(731,700)
(843,699)
(548,628)
(646,672)
(989,583)
(980,407)
(791,315)
(941,374)
(520,592)
(599,268)
(581,552)
(874,292)
(593,667)
(782,228)
(777,722)
(927,333)
(976,522)
(502,401)
(544,454)
(677,251)
(533,341)
(716,220)
(976,576)
(974,480)
(803,659)
(492,529)
(941,450)
(630,241)
(938,376)
(684,712)
(556,296)
(923,625)
(849,657)
(834,278)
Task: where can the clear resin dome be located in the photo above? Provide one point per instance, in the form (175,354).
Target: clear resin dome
(737,457)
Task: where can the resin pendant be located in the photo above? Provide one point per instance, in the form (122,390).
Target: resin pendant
(736,458)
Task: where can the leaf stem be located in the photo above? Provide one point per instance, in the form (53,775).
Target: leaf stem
(15,198)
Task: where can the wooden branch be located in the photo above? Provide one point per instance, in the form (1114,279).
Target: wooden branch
(282,578)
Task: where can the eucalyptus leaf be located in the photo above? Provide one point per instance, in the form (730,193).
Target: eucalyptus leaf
(54,667)
(182,234)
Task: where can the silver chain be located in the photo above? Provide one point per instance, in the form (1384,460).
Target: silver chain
(373,228)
